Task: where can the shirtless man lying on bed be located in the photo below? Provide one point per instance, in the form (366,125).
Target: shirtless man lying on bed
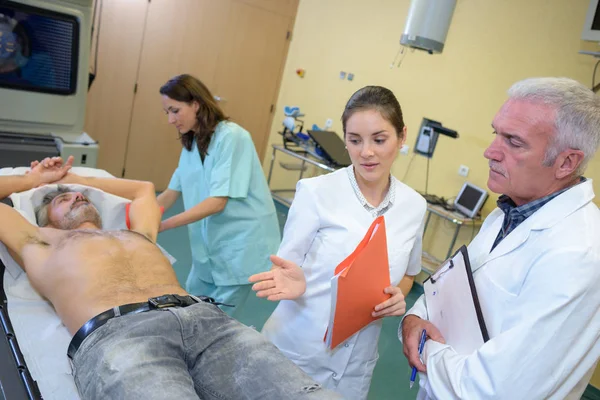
(164,344)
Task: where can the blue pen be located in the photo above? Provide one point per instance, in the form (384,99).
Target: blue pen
(421,345)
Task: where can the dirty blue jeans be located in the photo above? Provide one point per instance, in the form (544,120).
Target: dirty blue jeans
(196,352)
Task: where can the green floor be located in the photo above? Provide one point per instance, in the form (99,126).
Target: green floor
(390,380)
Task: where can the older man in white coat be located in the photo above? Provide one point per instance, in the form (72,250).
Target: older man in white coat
(536,260)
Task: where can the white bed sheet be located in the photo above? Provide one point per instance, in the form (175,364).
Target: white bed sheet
(42,337)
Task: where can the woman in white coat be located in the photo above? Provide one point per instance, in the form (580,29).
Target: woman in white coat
(328,218)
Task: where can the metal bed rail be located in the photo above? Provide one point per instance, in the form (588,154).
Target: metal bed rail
(15,379)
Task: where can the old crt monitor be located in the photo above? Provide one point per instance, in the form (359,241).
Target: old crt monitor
(44,61)
(591,27)
(332,147)
(470,199)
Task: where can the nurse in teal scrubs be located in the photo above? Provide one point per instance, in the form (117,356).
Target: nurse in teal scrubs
(229,211)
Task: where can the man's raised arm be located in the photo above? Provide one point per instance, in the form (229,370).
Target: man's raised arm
(16,231)
(17,183)
(49,170)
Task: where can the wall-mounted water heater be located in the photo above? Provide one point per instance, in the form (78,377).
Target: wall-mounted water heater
(427,24)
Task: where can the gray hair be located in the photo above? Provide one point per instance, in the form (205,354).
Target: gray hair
(68,221)
(577,122)
(41,212)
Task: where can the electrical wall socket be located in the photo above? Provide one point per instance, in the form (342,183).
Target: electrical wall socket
(463,170)
(328,123)
(404,149)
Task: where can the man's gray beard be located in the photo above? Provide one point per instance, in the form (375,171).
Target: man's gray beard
(79,215)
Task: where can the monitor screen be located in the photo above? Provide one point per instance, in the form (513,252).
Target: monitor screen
(596,20)
(469,197)
(38,49)
(591,27)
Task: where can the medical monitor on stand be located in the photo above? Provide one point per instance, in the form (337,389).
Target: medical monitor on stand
(44,62)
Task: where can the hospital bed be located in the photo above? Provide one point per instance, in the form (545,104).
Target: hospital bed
(33,346)
(15,379)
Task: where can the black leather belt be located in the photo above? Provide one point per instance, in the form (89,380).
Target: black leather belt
(154,303)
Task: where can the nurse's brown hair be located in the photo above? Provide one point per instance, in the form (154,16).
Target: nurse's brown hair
(375,98)
(187,89)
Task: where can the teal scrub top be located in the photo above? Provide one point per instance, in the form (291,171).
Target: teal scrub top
(229,246)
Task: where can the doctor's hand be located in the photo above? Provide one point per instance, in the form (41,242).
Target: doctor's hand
(394,306)
(50,169)
(285,281)
(412,326)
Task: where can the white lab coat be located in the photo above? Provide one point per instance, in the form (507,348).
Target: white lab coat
(325,224)
(540,296)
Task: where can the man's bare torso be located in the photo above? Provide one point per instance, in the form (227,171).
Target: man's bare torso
(85,272)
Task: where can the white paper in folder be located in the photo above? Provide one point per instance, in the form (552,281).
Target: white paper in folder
(453,306)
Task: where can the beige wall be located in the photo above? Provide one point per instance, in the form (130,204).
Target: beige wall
(490,45)
(596,378)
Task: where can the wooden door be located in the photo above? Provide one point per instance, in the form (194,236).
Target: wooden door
(185,38)
(236,47)
(286,8)
(110,99)
(251,63)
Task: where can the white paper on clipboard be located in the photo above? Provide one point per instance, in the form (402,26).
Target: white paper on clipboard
(453,306)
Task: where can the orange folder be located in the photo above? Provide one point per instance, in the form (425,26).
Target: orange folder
(357,286)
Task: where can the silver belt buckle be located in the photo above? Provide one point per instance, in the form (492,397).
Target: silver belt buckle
(164,301)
